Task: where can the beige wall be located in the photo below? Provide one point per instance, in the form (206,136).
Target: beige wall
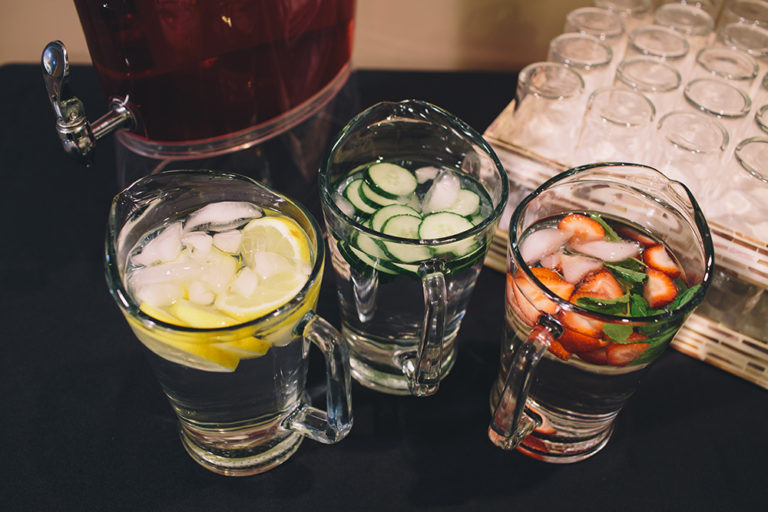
(390,34)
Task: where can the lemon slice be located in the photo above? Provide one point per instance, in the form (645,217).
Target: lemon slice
(271,293)
(202,317)
(200,353)
(246,348)
(280,235)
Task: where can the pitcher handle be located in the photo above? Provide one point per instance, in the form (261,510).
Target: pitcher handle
(510,424)
(333,424)
(423,368)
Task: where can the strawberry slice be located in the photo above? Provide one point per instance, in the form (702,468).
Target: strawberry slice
(621,354)
(574,341)
(580,324)
(659,289)
(656,256)
(634,234)
(528,300)
(600,285)
(581,228)
(556,348)
(599,356)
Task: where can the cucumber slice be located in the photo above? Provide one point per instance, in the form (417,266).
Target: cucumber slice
(376,200)
(352,193)
(384,214)
(404,226)
(369,246)
(467,203)
(445,224)
(391,180)
(362,261)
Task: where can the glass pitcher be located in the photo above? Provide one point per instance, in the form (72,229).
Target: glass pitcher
(604,264)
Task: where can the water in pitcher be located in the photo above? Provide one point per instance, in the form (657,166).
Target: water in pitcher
(378,280)
(202,69)
(220,266)
(605,265)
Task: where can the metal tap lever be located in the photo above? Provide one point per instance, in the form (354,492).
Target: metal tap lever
(77,135)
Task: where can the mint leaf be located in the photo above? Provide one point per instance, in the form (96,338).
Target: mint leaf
(632,276)
(638,306)
(617,332)
(610,234)
(657,345)
(685,296)
(606,306)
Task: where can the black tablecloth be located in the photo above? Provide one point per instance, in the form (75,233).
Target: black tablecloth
(85,426)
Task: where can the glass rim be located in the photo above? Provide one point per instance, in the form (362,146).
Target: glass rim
(654,52)
(326,193)
(714,123)
(586,64)
(728,31)
(634,83)
(698,219)
(622,90)
(704,25)
(745,165)
(736,54)
(731,114)
(605,14)
(127,303)
(523,80)
(636,8)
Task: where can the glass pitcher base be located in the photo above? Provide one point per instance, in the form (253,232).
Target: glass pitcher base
(550,449)
(243,461)
(377,369)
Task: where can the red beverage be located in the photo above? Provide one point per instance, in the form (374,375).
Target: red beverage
(199,69)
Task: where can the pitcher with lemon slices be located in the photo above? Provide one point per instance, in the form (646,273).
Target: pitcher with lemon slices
(218,277)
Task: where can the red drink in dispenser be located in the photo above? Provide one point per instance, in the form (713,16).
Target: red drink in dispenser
(201,69)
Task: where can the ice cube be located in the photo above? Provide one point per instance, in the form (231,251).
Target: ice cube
(228,241)
(166,246)
(608,251)
(219,270)
(199,293)
(179,271)
(198,243)
(442,194)
(345,206)
(245,282)
(576,266)
(267,264)
(159,294)
(541,243)
(222,216)
(424,174)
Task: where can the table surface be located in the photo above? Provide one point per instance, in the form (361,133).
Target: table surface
(85,426)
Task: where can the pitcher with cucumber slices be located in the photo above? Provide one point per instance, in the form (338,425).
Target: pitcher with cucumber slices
(411,197)
(218,277)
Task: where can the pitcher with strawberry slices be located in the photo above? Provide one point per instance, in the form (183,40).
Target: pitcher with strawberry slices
(604,264)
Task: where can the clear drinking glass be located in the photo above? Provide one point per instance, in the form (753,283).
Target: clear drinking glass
(633,13)
(661,43)
(559,391)
(695,24)
(238,389)
(742,194)
(721,100)
(753,12)
(402,298)
(617,126)
(549,103)
(727,64)
(584,53)
(712,7)
(604,24)
(658,81)
(689,147)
